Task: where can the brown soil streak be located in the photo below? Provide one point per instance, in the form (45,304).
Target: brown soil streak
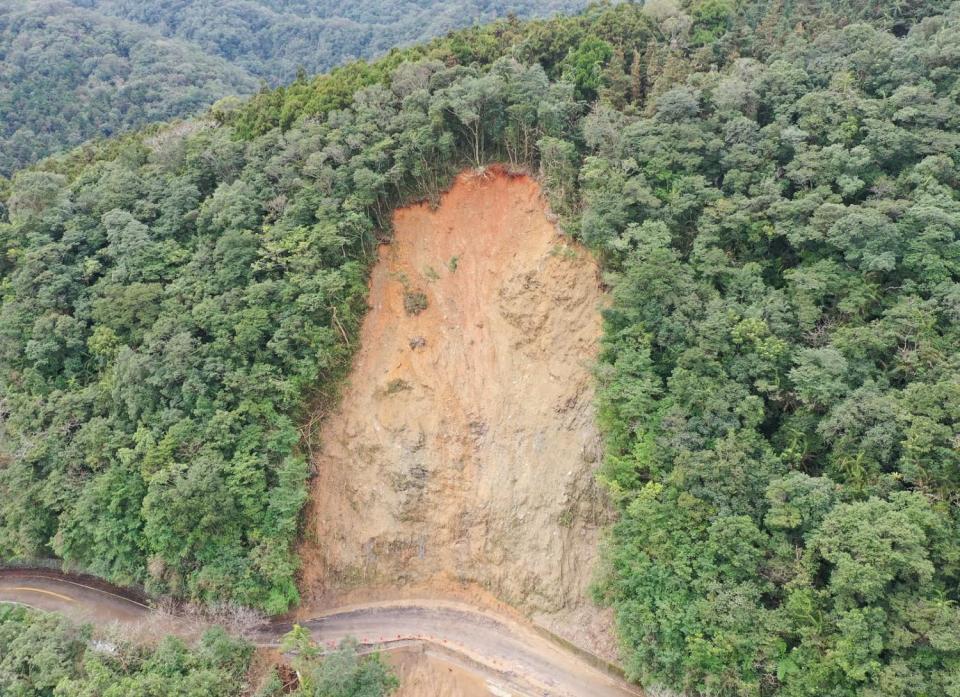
(462,455)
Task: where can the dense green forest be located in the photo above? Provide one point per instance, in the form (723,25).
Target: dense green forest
(273,39)
(781,374)
(772,189)
(72,70)
(68,75)
(45,655)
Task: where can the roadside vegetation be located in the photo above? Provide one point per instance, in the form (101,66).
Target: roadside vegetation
(772,189)
(46,655)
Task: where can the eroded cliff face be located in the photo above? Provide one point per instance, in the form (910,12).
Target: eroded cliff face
(463,451)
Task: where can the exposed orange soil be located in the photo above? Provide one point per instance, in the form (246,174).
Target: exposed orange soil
(423,674)
(461,459)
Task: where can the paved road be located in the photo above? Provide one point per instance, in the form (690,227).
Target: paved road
(74,597)
(504,652)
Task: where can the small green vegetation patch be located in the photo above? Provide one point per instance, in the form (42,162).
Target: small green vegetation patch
(414,302)
(397,385)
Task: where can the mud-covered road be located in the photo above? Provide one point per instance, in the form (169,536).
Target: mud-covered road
(512,658)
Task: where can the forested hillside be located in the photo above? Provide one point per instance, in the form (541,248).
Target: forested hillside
(68,75)
(72,70)
(273,39)
(44,655)
(774,192)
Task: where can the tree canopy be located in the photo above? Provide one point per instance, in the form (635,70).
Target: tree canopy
(72,70)
(44,655)
(68,74)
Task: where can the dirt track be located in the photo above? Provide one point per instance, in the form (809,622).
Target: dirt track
(508,656)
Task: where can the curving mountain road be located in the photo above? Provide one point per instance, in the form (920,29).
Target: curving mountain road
(512,658)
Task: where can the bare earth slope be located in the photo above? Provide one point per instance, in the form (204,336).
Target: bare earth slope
(422,673)
(462,454)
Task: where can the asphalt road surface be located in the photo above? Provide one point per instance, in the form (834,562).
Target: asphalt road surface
(505,653)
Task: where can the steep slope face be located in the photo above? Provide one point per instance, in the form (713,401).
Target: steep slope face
(463,452)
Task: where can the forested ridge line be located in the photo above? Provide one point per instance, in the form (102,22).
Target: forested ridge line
(73,70)
(773,191)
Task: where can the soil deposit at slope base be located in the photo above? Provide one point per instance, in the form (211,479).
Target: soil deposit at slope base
(463,451)
(423,674)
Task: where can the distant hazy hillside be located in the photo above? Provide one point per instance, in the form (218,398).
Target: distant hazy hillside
(69,74)
(273,38)
(71,70)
